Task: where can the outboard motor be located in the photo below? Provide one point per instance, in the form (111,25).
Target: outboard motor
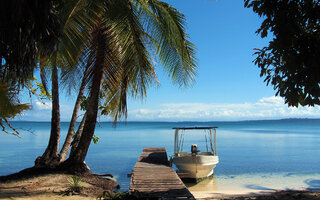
(194,149)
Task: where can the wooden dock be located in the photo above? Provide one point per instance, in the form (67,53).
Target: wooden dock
(153,177)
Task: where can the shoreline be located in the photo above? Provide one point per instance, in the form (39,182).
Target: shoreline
(220,194)
(55,186)
(259,185)
(274,195)
(289,194)
(230,194)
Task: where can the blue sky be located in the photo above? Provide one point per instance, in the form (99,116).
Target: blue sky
(228,85)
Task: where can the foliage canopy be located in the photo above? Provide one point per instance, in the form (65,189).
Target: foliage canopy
(291,62)
(26,27)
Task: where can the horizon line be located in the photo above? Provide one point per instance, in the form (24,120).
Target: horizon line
(187,121)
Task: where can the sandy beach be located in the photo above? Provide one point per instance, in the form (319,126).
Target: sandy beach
(218,187)
(252,194)
(54,186)
(260,195)
(229,194)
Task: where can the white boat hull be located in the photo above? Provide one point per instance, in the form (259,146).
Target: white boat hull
(196,166)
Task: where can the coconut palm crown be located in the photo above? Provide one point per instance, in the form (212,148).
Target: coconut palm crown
(138,34)
(128,38)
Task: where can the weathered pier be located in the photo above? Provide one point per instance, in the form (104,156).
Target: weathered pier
(153,177)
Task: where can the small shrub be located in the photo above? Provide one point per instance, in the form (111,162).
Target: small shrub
(74,186)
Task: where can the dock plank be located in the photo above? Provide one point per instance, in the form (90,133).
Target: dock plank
(153,176)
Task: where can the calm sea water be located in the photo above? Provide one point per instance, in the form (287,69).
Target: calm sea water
(253,154)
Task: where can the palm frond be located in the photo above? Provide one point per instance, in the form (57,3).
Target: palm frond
(135,59)
(43,74)
(115,104)
(175,51)
(78,17)
(70,76)
(9,106)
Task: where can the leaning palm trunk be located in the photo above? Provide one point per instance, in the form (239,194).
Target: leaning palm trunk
(66,146)
(75,141)
(77,157)
(75,162)
(50,156)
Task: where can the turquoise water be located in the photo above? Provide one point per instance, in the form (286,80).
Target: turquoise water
(253,154)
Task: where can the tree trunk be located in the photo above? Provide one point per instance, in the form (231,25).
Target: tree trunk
(77,137)
(75,162)
(77,157)
(66,146)
(50,156)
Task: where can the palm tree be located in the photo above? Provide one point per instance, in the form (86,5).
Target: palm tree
(86,14)
(123,44)
(75,23)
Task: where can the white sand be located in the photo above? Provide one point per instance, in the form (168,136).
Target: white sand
(252,185)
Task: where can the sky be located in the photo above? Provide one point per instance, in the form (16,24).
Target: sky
(228,86)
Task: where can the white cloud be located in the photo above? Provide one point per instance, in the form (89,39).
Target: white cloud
(273,101)
(43,105)
(264,108)
(42,112)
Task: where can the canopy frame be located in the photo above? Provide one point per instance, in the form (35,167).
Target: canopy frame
(212,137)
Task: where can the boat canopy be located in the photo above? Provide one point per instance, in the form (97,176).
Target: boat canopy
(195,127)
(211,139)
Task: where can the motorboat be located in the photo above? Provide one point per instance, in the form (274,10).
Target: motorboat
(195,164)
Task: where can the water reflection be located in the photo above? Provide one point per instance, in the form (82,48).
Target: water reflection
(208,184)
